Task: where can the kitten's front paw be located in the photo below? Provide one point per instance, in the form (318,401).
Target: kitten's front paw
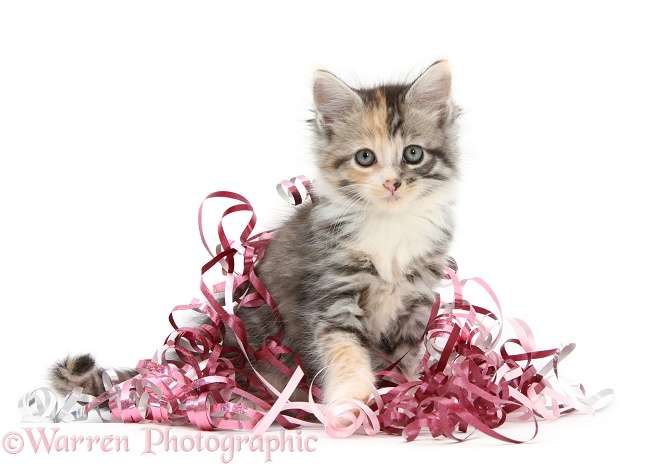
(342,410)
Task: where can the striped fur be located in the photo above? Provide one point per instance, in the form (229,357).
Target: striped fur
(82,371)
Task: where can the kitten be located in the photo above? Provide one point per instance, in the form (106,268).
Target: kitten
(354,273)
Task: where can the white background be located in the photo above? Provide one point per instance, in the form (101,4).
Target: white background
(117,118)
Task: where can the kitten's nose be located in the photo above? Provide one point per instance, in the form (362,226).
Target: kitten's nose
(392,185)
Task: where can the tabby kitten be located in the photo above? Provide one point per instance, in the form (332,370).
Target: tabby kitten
(353,273)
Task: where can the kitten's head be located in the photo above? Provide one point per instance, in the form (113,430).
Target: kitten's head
(386,147)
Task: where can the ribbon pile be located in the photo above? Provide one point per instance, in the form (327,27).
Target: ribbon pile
(465,384)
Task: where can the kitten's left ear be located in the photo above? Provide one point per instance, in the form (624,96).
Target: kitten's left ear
(333,98)
(432,90)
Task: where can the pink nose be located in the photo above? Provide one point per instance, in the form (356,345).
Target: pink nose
(391,185)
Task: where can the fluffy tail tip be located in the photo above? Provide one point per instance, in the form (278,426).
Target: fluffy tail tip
(77,371)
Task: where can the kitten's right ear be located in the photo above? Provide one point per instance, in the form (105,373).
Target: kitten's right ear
(332,97)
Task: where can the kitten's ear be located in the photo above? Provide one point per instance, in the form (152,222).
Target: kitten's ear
(432,90)
(332,97)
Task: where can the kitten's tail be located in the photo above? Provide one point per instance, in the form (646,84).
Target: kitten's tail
(81,371)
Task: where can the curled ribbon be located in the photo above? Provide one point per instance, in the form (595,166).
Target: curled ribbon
(42,405)
(464,385)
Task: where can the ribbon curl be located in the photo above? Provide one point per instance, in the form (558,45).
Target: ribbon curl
(464,385)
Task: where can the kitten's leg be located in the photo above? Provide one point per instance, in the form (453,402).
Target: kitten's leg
(344,357)
(409,347)
(409,364)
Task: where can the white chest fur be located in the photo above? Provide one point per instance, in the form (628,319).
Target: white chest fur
(394,241)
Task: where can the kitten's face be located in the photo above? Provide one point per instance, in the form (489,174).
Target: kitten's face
(387,147)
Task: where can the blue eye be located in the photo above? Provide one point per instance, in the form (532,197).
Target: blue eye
(365,158)
(412,154)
